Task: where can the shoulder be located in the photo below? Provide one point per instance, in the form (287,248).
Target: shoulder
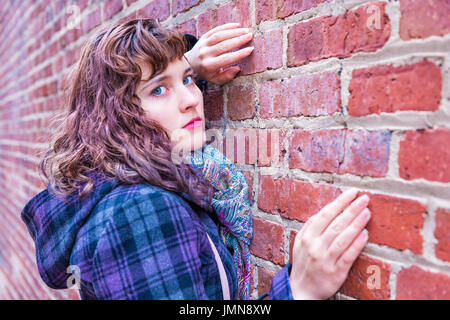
(141,196)
(144,210)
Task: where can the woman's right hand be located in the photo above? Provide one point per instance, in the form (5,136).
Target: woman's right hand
(327,245)
(213,52)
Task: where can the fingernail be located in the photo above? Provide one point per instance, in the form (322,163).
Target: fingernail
(364,234)
(365,214)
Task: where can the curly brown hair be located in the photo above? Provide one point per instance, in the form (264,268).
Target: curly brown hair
(105,129)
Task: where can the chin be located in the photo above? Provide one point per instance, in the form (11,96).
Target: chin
(189,140)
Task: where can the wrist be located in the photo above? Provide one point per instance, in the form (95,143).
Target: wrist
(299,293)
(191,60)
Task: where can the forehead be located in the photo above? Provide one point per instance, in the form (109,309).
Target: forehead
(174,67)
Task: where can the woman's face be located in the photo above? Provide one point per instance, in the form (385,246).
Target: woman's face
(173,99)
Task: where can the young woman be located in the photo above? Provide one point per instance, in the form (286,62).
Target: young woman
(121,220)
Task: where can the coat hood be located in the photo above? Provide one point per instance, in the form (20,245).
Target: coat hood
(53,223)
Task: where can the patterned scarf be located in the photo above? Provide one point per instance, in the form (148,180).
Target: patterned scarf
(232,207)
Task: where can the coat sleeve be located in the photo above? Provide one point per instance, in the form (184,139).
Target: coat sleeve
(280,288)
(149,250)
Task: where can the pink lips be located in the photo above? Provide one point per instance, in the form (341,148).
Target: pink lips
(194,123)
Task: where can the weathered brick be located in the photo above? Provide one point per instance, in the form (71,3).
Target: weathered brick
(264,280)
(156,9)
(293,199)
(241,102)
(249,179)
(389,89)
(187,26)
(267,242)
(340,36)
(292,236)
(442,234)
(305,95)
(368,279)
(92,20)
(358,152)
(415,283)
(110,8)
(423,154)
(249,145)
(213,104)
(422,19)
(274,9)
(233,11)
(183,5)
(267,54)
(396,222)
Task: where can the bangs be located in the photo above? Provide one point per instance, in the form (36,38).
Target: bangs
(148,42)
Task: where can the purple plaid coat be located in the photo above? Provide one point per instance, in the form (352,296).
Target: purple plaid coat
(132,242)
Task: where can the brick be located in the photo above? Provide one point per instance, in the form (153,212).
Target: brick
(422,19)
(156,9)
(415,283)
(233,11)
(183,5)
(422,155)
(389,89)
(187,26)
(91,21)
(357,152)
(249,146)
(110,8)
(267,54)
(213,105)
(341,36)
(368,279)
(305,95)
(396,222)
(293,199)
(264,280)
(267,242)
(442,234)
(275,9)
(292,235)
(241,102)
(249,178)
(128,17)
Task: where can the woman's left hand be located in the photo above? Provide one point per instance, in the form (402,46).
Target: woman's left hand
(210,54)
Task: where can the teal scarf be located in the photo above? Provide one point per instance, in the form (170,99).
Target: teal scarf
(232,207)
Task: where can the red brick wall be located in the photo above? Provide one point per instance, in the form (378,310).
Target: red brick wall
(353,93)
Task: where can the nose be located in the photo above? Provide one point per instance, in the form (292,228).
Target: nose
(188,98)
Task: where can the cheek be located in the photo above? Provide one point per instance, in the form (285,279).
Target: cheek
(161,115)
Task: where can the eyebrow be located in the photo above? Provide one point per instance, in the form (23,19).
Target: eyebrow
(160,78)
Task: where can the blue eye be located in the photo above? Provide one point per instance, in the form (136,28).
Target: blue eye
(189,76)
(157,92)
(157,89)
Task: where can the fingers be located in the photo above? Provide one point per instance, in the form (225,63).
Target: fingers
(344,220)
(226,75)
(343,240)
(223,35)
(221,27)
(228,45)
(229,58)
(345,261)
(329,212)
